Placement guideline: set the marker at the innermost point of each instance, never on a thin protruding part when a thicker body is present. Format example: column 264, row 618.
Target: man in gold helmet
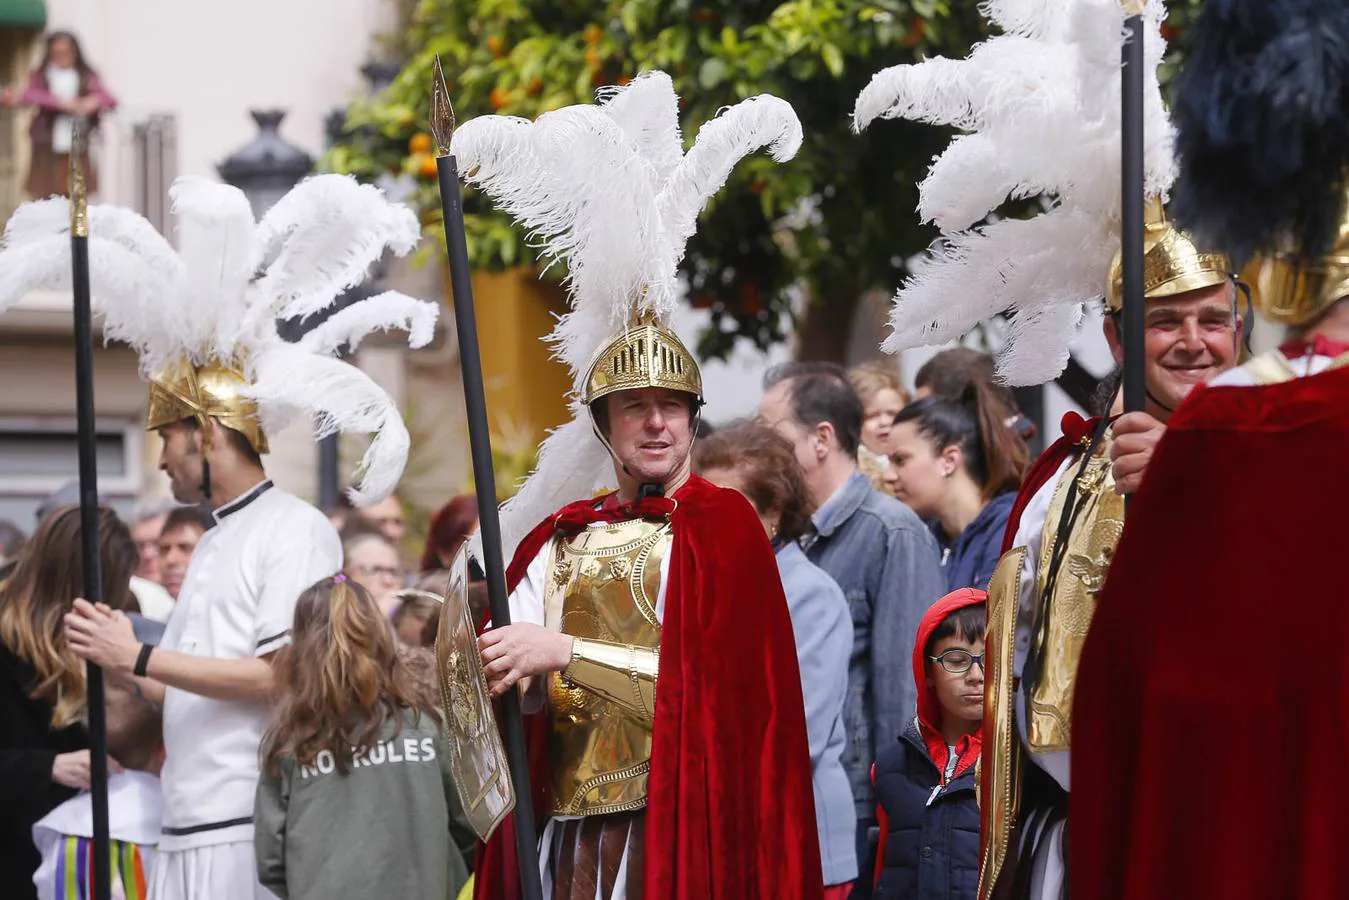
column 220, row 368
column 650, row 629
column 1059, row 542
column 1309, row 296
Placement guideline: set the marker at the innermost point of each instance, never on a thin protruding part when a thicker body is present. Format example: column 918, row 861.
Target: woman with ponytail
column 958, row 466
column 356, row 798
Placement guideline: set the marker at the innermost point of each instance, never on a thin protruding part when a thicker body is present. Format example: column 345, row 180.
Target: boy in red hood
column 925, row 778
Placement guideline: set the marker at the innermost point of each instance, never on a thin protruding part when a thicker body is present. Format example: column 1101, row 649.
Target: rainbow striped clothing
column 74, row 864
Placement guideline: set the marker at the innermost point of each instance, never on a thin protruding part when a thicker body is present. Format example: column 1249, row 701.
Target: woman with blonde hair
column 44, row 755
column 882, row 396
column 356, row 797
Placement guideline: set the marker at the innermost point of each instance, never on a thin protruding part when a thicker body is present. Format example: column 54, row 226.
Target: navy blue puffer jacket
column 931, row 849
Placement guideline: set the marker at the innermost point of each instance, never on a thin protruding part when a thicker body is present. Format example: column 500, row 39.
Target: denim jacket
column 886, row 561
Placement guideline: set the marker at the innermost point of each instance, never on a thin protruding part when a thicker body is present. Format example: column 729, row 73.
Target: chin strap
column 206, row 479
column 1153, row 397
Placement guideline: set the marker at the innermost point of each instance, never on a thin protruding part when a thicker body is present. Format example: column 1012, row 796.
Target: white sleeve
column 527, row 600
column 292, row 561
column 1030, row 534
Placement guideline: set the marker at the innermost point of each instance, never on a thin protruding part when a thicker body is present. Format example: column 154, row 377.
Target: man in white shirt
column 222, row 372
column 211, row 672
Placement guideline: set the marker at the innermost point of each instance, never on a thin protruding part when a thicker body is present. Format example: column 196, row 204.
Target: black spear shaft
column 1131, row 218
column 484, row 479
column 88, row 462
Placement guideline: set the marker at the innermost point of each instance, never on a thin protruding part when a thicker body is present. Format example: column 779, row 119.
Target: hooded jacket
column 926, row 803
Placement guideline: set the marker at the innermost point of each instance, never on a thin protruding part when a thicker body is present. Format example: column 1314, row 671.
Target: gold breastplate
column 1091, row 546
column 604, row 585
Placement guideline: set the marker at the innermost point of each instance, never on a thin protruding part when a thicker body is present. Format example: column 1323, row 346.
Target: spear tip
column 442, row 112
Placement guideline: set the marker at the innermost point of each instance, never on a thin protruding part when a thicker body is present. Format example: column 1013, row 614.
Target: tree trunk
column 824, row 330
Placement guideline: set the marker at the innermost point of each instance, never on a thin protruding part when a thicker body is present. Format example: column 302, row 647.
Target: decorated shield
column 477, row 757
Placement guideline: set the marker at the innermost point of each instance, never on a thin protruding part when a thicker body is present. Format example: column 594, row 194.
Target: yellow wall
column 526, row 388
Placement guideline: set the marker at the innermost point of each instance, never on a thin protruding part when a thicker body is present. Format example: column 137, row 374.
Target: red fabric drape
column 1075, row 430
column 730, row 811
column 1211, row 722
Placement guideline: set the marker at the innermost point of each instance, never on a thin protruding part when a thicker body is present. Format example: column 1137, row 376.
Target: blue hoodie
column 970, row 559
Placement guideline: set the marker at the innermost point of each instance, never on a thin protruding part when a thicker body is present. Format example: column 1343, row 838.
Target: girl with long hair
column 44, row 755
column 958, row 465
column 64, row 88
column 355, row 798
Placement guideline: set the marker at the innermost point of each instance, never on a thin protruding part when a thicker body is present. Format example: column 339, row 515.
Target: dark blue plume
column 1261, row 108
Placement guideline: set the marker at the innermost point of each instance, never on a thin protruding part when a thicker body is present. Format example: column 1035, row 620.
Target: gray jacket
column 387, row 828
column 823, row 629
column 887, row 563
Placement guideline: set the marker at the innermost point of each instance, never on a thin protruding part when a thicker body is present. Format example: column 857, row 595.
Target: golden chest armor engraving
column 604, row 585
column 1091, row 546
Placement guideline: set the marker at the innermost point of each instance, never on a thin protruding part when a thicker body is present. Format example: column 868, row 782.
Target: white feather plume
column 763, row 121
column 1040, row 105
column 290, row 381
column 381, row 312
column 607, row 191
column 648, row 110
column 201, row 302
column 319, row 240
column 215, row 242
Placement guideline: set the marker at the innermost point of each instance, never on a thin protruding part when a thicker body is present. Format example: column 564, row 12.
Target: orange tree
column 834, row 222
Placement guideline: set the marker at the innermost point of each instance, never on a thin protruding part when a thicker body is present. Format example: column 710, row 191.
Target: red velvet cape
column 1075, row 430
column 1211, row 725
column 730, row 809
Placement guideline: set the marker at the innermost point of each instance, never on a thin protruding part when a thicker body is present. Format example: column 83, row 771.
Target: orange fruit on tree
column 420, row 143
column 499, row 97
column 917, row 31
column 496, row 45
column 592, row 34
column 593, row 58
column 426, row 166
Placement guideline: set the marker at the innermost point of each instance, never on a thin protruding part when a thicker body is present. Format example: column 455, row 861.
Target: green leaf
column 833, row 59
column 712, row 72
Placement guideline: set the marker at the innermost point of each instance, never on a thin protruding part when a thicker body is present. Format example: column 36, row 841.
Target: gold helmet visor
column 644, row 356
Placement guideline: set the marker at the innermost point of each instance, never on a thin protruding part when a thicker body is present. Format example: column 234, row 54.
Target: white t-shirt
column 1303, row 367
column 64, row 84
column 238, row 601
column 134, row 810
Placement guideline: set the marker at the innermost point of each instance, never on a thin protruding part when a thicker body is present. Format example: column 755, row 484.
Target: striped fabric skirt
column 595, row 857
column 73, row 878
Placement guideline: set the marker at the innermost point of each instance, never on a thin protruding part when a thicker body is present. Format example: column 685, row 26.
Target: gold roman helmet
column 644, row 356
column 1293, row 290
column 183, row 391
column 1172, row 264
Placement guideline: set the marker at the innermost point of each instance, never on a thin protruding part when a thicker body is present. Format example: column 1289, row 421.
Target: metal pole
column 1131, row 218
column 330, row 488
column 484, row 478
column 101, row 877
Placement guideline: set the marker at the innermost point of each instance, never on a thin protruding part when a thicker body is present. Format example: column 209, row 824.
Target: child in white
column 64, row 836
